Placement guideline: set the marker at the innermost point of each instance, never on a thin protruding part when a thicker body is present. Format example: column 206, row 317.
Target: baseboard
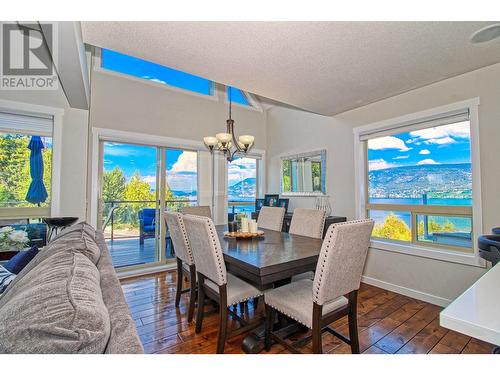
column 417, row 294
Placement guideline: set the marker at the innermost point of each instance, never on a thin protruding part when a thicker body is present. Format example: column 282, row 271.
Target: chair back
column 175, row 225
column 271, row 218
column 341, row 260
column 205, row 245
column 147, row 215
column 197, row 210
column 308, row 222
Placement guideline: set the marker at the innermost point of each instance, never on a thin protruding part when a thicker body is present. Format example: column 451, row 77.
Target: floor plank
column 387, row 323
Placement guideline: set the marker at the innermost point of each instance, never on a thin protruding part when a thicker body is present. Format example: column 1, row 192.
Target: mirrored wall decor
column 304, row 174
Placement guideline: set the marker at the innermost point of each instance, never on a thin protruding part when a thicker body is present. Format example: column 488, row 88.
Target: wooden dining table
column 268, row 262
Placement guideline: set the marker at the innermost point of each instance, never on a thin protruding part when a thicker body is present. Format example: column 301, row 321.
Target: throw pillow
column 5, row 278
column 21, row 260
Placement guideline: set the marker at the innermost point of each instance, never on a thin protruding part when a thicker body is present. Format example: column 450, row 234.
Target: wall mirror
column 304, row 174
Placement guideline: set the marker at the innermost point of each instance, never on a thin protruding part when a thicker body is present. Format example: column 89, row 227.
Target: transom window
column 133, row 66
column 237, row 96
column 419, row 182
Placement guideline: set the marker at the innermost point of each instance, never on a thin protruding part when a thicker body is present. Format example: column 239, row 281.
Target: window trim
column 361, row 191
column 57, row 115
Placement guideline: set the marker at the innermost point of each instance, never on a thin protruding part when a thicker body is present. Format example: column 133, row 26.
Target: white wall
column 74, row 149
column 429, row 279
column 291, row 131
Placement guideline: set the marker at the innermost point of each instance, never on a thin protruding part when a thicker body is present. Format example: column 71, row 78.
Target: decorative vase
column 323, row 204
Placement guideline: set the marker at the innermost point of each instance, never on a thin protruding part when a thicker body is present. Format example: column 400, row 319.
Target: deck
column 128, row 252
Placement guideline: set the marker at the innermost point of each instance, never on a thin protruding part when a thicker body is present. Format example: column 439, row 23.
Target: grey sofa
column 68, row 300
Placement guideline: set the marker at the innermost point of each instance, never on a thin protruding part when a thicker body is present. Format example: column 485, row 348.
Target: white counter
column 476, row 312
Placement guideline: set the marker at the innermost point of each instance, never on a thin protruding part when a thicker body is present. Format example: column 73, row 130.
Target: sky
column 447, row 144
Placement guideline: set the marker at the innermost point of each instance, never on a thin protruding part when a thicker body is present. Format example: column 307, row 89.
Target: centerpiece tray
column 244, row 235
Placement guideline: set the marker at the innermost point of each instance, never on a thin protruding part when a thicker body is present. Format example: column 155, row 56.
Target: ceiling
column 322, row 67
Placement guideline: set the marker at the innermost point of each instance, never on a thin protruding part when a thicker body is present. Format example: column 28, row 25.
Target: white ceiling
column 323, row 67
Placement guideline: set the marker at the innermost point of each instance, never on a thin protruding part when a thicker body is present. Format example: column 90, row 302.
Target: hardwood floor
column 388, row 323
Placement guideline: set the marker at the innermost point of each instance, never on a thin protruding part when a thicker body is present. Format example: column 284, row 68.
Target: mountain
column 243, row 190
column 444, row 180
column 182, row 194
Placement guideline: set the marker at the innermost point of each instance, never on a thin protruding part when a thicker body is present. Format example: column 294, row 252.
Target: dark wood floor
column 388, row 323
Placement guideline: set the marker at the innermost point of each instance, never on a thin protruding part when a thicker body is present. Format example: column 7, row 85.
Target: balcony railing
column 122, row 216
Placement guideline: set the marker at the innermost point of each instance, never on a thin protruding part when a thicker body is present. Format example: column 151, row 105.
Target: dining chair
column 197, row 210
column 308, row 222
column 318, row 303
column 184, row 256
column 213, row 280
column 271, row 218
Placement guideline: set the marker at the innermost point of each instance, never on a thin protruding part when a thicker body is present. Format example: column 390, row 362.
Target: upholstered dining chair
column 213, row 280
column 184, row 257
column 316, row 304
column 271, row 218
column 308, row 222
column 197, row 210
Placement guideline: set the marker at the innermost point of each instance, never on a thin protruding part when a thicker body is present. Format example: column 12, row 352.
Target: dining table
column 266, row 262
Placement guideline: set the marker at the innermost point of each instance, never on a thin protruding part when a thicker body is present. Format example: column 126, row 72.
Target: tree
column 137, row 190
column 113, row 189
column 393, row 228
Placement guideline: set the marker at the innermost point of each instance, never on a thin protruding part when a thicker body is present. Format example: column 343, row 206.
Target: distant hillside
column 182, row 194
column 243, row 190
column 444, row 180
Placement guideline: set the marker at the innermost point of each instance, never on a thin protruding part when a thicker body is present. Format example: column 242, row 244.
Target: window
column 237, row 96
column 25, row 162
column 136, row 67
column 182, row 178
column 419, row 182
column 242, row 185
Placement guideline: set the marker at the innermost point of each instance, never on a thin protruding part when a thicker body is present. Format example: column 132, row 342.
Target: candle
column 244, row 225
column 253, row 226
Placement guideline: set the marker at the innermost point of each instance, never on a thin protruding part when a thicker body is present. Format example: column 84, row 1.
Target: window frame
column 22, row 108
column 416, row 247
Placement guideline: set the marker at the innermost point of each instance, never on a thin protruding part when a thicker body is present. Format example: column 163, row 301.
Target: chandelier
column 226, row 142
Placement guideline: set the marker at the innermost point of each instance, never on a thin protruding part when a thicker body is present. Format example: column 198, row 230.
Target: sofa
column 68, row 299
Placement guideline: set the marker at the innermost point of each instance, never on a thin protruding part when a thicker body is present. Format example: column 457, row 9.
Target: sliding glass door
column 137, row 183
column 129, row 202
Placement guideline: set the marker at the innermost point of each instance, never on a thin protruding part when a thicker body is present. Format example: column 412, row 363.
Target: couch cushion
column 6, row 277
column 56, row 308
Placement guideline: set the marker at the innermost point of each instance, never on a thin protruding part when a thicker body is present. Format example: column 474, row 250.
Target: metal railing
column 114, row 205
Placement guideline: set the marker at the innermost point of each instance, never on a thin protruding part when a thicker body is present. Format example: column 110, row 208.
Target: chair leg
column 270, row 315
column 178, row 292
column 221, row 336
column 201, row 303
column 353, row 322
column 192, row 293
column 316, row 329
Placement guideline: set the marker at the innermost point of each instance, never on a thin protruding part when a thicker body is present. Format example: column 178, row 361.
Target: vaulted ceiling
column 323, row 67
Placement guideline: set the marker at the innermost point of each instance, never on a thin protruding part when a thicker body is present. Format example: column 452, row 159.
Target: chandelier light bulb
column 210, row 141
column 223, row 137
column 246, row 139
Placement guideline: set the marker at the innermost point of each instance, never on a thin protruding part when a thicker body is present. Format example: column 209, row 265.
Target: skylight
column 136, row 67
column 237, row 96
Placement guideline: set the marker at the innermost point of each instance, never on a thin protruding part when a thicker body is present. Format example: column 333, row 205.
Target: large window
column 419, row 183
column 118, row 62
column 242, row 185
column 237, row 96
column 25, row 164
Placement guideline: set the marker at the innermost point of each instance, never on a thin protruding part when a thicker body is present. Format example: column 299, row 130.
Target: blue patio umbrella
column 36, row 193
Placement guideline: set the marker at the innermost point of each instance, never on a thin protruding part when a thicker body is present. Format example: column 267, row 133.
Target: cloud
column 151, row 179
column 187, row 162
column 375, row 165
column 441, row 135
column 440, row 141
column 427, row 162
column 401, row 157
column 387, row 143
column 424, row 152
